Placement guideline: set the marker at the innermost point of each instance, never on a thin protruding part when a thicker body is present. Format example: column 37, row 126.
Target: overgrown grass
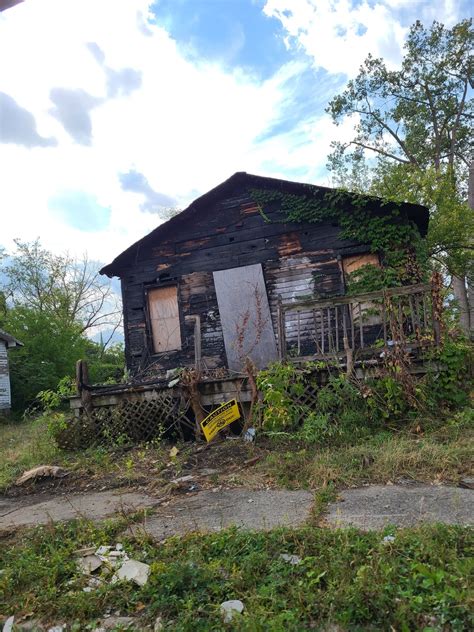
column 24, row 445
column 356, row 580
column 442, row 452
column 427, row 450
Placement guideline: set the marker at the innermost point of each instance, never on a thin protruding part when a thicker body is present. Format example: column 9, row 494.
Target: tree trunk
column 470, row 277
column 460, row 293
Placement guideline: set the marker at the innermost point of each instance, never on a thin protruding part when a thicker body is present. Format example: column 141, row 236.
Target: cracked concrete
column 375, row 506
column 370, row 507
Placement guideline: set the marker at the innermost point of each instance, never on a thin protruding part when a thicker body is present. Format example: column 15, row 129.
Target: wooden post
column 82, row 386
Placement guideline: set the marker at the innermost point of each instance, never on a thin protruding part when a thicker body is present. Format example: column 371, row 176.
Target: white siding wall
column 5, row 400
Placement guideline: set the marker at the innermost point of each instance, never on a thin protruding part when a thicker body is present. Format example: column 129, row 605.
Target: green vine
column 393, row 237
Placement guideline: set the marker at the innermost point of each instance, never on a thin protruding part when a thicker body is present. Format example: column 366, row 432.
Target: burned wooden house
column 231, row 278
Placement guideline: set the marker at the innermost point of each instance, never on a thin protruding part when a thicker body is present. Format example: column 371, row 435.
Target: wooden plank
column 245, row 316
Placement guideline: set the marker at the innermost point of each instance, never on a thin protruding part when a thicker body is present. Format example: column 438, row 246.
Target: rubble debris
column 133, row 570
column 42, row 471
column 98, row 564
column 89, row 563
column 229, row 608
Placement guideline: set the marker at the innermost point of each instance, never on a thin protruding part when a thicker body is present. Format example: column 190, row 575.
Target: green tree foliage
column 413, row 134
column 53, row 304
column 51, row 349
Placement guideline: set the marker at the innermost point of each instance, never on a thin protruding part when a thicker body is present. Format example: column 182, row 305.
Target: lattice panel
column 307, row 399
column 127, row 423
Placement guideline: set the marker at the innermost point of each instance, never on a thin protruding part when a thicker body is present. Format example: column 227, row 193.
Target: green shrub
column 349, row 408
column 449, row 385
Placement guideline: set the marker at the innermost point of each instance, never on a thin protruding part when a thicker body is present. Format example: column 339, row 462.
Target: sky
column 113, row 112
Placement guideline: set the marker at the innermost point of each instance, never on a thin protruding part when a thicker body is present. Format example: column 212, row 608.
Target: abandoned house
column 230, row 277
column 6, row 342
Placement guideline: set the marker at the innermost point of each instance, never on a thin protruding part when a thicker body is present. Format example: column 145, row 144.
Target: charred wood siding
column 297, row 259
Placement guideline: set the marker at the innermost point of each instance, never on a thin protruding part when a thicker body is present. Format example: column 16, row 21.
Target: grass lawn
column 354, row 580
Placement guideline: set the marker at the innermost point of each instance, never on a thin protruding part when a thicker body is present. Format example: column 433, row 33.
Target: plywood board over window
column 164, row 319
column 245, row 316
column 355, row 262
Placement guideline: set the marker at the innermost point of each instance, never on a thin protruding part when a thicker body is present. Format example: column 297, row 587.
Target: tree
column 53, row 304
column 412, row 137
column 61, row 285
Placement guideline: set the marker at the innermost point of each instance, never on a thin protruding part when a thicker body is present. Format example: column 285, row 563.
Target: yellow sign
column 220, row 418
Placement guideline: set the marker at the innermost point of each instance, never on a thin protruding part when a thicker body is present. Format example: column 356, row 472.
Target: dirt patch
column 228, row 463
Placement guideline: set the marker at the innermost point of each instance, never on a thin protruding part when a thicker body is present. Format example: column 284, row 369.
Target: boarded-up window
column 164, row 319
column 355, row 262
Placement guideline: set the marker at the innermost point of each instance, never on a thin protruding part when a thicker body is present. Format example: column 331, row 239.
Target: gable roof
column 417, row 213
column 9, row 339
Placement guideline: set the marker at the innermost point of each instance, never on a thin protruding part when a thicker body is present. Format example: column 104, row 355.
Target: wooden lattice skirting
column 125, row 423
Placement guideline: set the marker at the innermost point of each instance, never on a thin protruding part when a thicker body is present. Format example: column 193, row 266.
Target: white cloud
column 187, row 127
column 338, row 34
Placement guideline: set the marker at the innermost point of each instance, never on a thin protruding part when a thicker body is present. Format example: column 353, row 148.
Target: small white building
column 6, row 342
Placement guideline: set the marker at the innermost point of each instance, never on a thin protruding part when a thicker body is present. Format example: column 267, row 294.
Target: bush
column 450, row 384
column 339, row 407
column 350, row 408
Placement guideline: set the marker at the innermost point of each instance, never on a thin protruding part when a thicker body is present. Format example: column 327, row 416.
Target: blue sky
column 120, row 110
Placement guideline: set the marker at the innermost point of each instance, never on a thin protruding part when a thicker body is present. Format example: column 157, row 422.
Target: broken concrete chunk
column 291, row 559
column 135, row 571
column 89, row 563
column 229, row 608
column 42, row 471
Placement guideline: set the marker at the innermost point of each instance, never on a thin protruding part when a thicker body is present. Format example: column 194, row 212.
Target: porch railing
column 364, row 323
